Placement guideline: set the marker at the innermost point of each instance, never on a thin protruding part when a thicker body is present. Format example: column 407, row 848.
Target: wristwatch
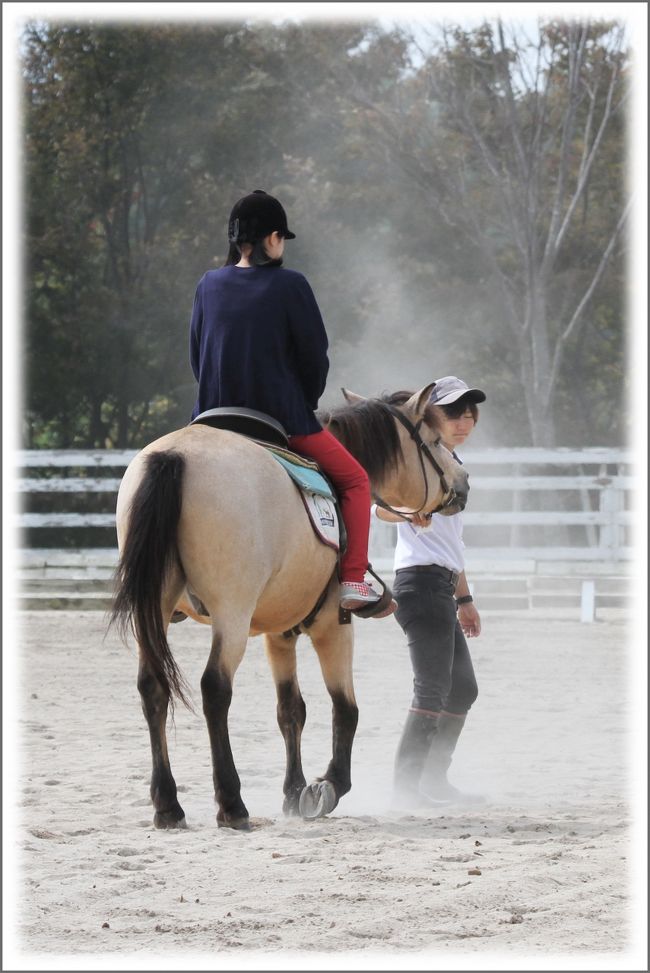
column 464, row 600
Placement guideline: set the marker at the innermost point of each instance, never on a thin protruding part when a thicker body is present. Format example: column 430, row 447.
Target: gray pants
column 443, row 675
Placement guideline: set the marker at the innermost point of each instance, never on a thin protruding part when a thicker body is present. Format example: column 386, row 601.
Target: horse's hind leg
column 155, row 702
column 216, row 688
column 334, row 644
column 291, row 712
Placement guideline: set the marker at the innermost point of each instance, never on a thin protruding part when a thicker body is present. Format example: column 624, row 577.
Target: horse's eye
column 436, row 442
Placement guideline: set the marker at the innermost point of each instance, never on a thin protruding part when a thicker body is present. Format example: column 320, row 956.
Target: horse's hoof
column 317, row 800
column 166, row 820
column 236, row 824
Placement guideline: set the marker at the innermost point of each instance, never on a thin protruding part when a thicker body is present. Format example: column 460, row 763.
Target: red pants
column 353, row 489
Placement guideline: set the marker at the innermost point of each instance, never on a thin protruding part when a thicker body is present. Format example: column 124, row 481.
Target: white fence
column 563, row 513
column 580, row 502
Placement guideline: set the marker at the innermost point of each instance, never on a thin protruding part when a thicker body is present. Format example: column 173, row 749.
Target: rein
column 449, row 495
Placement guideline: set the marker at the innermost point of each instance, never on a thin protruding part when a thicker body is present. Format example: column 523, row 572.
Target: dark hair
column 456, row 409
column 258, row 256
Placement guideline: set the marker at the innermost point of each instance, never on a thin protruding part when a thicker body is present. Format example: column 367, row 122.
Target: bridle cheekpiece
column 449, row 494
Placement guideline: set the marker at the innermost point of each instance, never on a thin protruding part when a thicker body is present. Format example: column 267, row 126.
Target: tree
column 116, row 125
column 511, row 141
column 139, row 138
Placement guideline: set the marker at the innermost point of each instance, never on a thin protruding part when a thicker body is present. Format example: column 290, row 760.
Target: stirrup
column 381, row 608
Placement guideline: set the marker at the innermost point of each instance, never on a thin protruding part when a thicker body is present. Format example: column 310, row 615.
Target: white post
column 611, row 532
column 588, row 602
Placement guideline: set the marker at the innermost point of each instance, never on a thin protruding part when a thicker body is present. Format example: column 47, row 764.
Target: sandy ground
column 550, row 741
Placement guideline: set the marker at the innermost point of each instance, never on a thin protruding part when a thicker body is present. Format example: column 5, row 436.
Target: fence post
column 516, row 531
column 590, row 529
column 588, row 601
column 611, row 503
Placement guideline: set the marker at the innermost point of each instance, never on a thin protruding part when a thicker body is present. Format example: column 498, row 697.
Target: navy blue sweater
column 257, row 341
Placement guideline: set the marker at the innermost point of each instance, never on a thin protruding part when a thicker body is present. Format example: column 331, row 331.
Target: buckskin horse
column 211, row 513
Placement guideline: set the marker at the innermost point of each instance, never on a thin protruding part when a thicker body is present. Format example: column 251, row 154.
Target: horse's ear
column 418, row 401
column 351, row 397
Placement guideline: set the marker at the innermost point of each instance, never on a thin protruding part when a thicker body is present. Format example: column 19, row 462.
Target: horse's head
column 397, row 441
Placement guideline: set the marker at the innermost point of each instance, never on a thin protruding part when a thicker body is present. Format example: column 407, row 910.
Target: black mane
column 368, row 430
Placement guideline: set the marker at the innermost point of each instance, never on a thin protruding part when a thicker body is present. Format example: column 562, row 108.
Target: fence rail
column 572, row 505
column 532, row 512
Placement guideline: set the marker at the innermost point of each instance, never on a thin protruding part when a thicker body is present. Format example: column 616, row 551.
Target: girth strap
column 311, row 617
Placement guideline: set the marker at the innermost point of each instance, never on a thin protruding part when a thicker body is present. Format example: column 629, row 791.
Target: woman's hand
column 470, row 620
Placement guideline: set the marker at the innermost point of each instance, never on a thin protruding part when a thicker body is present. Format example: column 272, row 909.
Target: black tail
column 150, row 552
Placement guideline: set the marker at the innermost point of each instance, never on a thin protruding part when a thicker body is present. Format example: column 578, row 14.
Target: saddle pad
column 306, row 477
column 324, row 517
column 316, row 494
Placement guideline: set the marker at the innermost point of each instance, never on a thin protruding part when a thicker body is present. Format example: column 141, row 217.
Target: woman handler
column 436, row 612
column 257, row 341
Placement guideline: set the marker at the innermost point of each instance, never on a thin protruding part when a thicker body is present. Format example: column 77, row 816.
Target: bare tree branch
column 585, row 170
column 586, row 297
column 576, row 51
column 512, row 107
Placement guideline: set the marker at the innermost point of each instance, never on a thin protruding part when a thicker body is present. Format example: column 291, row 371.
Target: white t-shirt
column 441, row 544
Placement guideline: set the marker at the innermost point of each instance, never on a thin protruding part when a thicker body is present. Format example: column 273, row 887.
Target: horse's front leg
column 216, row 689
column 291, row 712
column 334, row 644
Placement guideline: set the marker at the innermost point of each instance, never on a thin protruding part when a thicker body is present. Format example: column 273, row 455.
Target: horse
column 209, row 514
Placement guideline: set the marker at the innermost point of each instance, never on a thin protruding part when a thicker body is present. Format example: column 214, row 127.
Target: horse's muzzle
column 457, row 500
column 458, row 503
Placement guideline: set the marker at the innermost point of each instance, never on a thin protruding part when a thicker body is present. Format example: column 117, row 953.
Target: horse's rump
column 244, row 541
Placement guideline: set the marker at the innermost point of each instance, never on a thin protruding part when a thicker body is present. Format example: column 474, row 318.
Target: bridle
column 449, row 494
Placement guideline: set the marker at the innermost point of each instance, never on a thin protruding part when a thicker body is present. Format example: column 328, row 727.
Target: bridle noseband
column 449, row 494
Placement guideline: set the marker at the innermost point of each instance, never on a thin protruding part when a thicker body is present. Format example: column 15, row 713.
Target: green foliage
column 138, row 139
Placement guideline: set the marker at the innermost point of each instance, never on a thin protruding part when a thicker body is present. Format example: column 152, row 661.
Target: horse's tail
column 149, row 554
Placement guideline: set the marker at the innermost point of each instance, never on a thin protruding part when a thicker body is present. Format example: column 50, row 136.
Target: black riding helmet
column 254, row 216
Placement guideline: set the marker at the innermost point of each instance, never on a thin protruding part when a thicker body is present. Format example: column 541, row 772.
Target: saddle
column 316, row 492
column 249, row 422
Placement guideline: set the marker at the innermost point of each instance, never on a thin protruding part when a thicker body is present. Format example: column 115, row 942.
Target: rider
column 257, row 341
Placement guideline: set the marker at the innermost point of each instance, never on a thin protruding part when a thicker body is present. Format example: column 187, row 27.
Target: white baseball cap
column 450, row 388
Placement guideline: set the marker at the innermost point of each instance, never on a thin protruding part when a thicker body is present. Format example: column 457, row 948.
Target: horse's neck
column 403, row 486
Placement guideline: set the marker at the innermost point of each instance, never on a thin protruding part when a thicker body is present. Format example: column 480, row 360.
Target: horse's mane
column 368, row 430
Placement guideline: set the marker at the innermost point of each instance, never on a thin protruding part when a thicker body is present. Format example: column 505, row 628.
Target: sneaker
column 355, row 594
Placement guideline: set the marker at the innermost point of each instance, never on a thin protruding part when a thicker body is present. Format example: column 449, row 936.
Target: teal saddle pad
column 307, row 479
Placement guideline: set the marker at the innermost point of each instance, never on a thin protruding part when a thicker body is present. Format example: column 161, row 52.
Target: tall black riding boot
column 434, row 775
column 419, row 732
